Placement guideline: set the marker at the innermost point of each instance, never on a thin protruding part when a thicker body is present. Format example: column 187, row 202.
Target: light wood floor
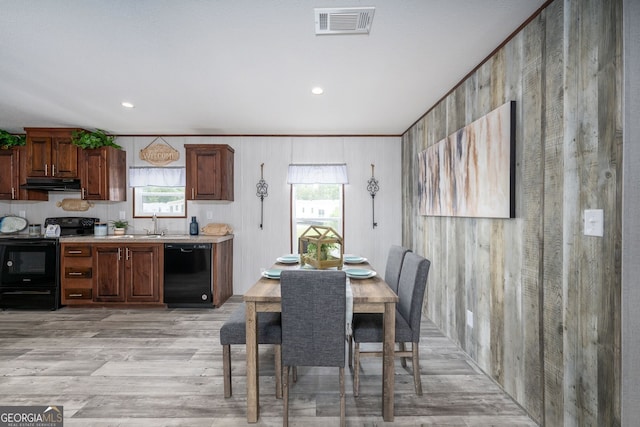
column 163, row 367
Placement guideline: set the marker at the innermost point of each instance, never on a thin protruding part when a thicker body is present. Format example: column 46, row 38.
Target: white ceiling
column 238, row 66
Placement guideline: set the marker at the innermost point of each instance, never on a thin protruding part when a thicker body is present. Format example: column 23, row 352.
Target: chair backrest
column 394, row 265
column 411, row 289
column 313, row 317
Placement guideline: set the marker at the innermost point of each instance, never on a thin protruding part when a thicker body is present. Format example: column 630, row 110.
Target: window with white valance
column 157, row 177
column 159, row 191
column 326, row 173
column 317, row 197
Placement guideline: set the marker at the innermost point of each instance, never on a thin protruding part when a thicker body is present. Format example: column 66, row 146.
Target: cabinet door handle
column 46, row 170
column 13, row 193
column 74, row 295
column 193, row 193
column 74, row 251
column 75, row 273
column 53, row 170
column 83, row 194
column 119, row 254
column 128, row 254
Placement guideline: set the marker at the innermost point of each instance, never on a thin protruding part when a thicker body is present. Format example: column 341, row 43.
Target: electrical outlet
column 123, row 215
column 23, row 214
column 470, row 318
column 209, row 215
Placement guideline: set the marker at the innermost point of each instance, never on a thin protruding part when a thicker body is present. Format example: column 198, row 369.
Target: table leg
column 388, row 378
column 253, row 395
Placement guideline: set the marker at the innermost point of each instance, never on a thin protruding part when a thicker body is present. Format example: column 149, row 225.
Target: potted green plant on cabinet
column 8, row 140
column 86, row 139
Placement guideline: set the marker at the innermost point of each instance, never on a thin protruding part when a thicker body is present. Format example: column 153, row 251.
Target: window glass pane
column 163, row 201
column 316, row 204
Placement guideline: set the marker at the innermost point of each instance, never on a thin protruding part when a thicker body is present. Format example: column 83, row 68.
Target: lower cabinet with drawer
column 76, row 273
column 105, row 274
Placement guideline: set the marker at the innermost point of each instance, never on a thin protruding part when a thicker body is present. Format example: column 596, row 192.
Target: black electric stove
column 30, row 265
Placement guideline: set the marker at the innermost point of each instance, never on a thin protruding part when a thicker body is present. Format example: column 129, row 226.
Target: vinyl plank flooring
column 163, row 367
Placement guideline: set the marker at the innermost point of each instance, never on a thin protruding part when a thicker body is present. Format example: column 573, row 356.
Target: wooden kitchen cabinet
column 50, row 153
column 127, row 273
column 76, row 273
column 209, row 170
column 103, row 174
column 12, row 161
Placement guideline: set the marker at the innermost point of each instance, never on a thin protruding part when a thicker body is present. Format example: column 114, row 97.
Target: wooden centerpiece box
column 321, row 247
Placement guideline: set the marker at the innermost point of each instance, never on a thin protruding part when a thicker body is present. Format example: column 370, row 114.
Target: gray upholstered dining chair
column 368, row 327
column 395, row 258
column 234, row 331
column 394, row 266
column 313, row 324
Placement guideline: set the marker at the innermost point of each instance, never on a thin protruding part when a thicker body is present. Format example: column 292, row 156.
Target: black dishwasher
column 187, row 275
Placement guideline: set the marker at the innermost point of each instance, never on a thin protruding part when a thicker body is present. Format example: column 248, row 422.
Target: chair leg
column 356, row 370
column 350, row 343
column 343, row 405
column 278, row 363
column 403, row 360
column 285, row 396
column 416, row 368
column 226, row 369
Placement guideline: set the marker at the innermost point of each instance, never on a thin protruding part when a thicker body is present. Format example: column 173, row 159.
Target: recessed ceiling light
column 317, row 90
column 126, row 104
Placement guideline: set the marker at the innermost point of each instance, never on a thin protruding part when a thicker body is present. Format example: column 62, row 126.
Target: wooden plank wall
column 544, row 299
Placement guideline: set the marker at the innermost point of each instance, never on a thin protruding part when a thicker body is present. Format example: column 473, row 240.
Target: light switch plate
column 122, row 215
column 594, row 222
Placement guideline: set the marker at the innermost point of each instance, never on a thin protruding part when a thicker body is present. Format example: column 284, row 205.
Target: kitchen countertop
column 143, row 238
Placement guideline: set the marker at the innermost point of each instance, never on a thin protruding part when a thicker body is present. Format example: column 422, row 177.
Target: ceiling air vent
column 351, row 20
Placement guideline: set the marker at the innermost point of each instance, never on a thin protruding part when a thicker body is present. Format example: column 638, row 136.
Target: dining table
column 370, row 295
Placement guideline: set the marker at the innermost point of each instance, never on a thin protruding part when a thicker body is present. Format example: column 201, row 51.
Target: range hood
column 52, row 184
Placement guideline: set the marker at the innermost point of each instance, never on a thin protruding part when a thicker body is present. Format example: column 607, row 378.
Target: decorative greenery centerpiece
column 321, row 247
column 8, row 140
column 119, row 226
column 86, row 139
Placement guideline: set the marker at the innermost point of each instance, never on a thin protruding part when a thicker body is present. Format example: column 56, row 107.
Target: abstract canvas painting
column 471, row 172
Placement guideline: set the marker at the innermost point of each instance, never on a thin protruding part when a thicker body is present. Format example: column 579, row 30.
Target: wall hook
column 372, row 188
column 262, row 192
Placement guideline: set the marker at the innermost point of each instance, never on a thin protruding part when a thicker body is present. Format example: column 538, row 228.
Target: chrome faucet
column 155, row 231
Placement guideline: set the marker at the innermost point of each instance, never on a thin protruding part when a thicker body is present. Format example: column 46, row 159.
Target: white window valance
column 331, row 173
column 157, row 177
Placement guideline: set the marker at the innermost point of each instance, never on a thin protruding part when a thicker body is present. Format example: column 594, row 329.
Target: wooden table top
column 373, row 290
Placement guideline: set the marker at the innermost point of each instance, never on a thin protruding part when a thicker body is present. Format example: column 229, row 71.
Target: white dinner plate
column 359, row 273
column 273, row 273
column 352, row 259
column 288, row 259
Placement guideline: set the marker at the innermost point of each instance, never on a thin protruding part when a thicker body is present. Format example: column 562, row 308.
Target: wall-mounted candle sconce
column 372, row 188
column 262, row 192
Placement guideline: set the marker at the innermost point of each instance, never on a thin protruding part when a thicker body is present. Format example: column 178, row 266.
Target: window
column 159, row 191
column 316, row 204
column 163, row 201
column 317, row 194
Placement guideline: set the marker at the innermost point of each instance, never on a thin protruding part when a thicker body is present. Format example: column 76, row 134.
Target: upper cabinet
column 12, row 165
column 50, row 153
column 209, row 171
column 103, row 174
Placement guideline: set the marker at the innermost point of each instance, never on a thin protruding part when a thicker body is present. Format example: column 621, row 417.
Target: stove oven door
column 29, row 274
